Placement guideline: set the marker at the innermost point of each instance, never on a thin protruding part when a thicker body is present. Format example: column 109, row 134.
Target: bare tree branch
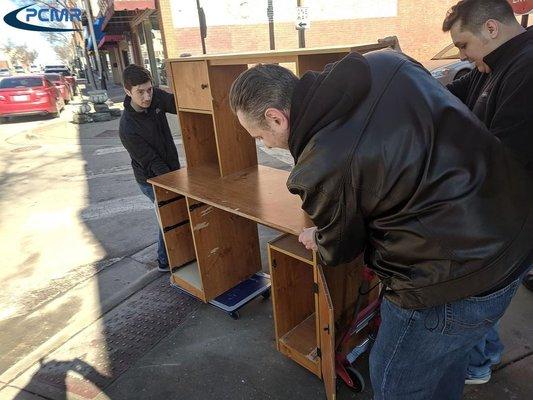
column 19, row 54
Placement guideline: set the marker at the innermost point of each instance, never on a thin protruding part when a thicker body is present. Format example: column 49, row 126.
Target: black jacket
column 502, row 98
column 147, row 137
column 387, row 161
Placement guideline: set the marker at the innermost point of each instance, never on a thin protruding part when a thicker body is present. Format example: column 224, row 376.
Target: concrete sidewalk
column 162, row 344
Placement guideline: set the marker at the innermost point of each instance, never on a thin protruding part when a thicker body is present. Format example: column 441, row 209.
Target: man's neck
column 137, row 107
column 510, row 33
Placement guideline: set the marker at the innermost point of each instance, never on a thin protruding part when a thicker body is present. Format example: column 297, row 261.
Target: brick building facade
column 417, row 23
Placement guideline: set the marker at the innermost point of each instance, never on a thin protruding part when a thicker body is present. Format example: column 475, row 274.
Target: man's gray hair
column 260, row 87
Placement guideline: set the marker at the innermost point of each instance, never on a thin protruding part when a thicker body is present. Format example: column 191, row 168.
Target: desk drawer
column 192, row 85
column 173, row 211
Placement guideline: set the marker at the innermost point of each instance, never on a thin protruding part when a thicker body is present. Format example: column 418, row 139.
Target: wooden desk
column 257, row 193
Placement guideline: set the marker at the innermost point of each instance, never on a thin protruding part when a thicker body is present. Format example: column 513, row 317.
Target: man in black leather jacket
column 389, row 163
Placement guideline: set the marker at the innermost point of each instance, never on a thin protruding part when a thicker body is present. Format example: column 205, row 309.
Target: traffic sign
column 302, row 18
column 521, row 7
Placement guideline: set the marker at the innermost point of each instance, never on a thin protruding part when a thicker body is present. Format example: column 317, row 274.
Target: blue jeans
column 148, row 191
column 424, row 354
column 485, row 354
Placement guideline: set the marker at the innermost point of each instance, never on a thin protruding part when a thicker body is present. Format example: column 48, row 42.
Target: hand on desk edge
column 307, row 238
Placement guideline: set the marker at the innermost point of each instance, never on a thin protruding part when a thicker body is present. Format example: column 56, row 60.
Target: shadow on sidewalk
column 77, row 377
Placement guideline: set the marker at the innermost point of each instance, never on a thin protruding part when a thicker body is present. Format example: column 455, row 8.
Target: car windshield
column 8, row 83
column 450, row 52
column 18, row 68
column 4, row 70
column 53, row 77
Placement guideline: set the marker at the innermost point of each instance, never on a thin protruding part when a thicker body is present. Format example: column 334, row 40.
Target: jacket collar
column 321, row 98
column 508, row 49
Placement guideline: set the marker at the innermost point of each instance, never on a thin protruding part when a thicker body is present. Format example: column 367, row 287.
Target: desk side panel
column 227, row 247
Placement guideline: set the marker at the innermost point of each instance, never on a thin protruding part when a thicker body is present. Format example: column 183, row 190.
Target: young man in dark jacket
column 389, row 163
column 145, row 133
column 498, row 91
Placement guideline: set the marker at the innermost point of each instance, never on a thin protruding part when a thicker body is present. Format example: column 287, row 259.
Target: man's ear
column 128, row 92
column 493, row 28
column 275, row 116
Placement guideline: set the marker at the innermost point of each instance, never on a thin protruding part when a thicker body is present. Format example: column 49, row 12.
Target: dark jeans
column 424, row 354
column 148, row 191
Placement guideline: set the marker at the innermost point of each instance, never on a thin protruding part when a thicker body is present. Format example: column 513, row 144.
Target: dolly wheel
column 234, row 314
column 266, row 294
column 357, row 379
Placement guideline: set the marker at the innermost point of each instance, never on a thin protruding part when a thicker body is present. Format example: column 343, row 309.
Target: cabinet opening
column 293, row 294
column 198, row 133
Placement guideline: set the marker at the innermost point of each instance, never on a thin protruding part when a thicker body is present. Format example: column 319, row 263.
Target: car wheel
column 461, row 73
column 57, row 114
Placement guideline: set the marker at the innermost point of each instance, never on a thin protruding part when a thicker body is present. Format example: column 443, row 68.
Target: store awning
column 110, row 39
column 131, row 5
column 119, row 13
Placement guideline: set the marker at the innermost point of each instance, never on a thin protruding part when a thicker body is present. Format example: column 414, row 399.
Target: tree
column 64, row 52
column 61, row 42
column 19, row 54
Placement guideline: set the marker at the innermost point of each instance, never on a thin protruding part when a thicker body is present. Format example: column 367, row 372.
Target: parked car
column 29, row 95
column 34, row 69
column 62, row 84
column 5, row 72
column 71, row 79
column 55, row 66
column 19, row 69
column 446, row 65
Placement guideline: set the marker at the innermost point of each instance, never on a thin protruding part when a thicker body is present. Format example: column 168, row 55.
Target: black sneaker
column 162, row 267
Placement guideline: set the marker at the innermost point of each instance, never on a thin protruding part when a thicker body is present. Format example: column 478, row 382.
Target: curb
column 70, row 331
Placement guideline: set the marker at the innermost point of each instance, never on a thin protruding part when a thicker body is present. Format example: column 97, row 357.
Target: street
column 70, row 210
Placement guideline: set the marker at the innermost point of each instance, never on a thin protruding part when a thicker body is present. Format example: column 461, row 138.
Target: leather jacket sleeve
column 341, row 232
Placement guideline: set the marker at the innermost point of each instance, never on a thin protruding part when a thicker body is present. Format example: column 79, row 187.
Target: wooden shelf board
column 300, row 344
column 188, row 278
column 276, row 55
column 288, row 244
column 258, row 193
column 194, row 110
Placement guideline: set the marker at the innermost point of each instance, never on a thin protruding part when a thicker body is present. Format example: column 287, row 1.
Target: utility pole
column 203, row 25
column 270, row 15
column 89, row 13
column 301, row 32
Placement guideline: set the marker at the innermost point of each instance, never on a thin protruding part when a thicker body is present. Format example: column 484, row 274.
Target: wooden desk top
column 278, row 55
column 257, row 193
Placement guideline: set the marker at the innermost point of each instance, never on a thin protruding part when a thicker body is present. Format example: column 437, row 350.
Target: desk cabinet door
column 191, row 81
column 327, row 335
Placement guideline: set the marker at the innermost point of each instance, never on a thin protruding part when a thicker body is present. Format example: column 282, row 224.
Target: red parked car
column 71, row 79
column 29, row 95
column 62, row 85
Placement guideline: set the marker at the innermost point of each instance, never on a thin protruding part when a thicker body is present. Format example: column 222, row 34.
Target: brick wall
column 417, row 25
